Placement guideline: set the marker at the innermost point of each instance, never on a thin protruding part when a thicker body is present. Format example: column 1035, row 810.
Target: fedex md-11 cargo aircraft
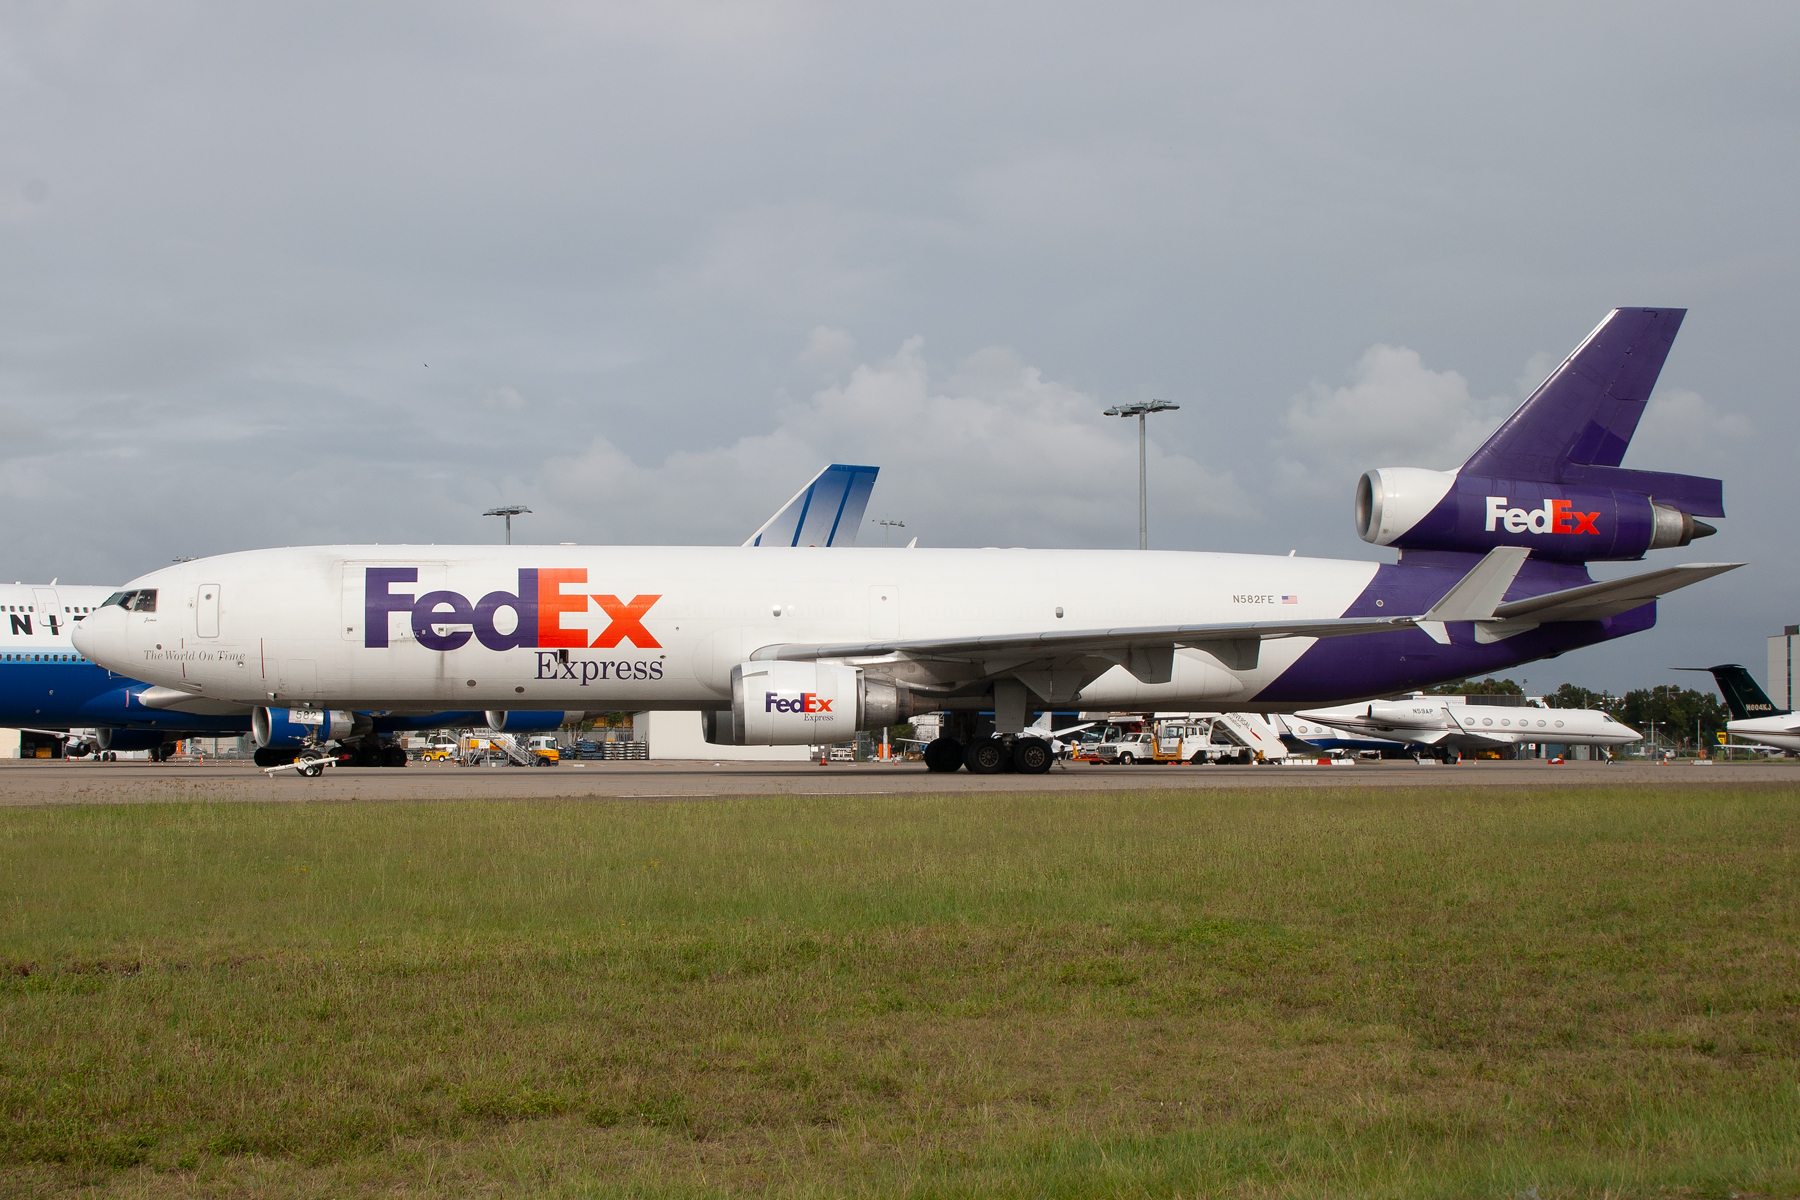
column 792, row 646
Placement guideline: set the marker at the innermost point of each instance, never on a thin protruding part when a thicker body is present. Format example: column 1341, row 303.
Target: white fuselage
column 1781, row 732
column 662, row 627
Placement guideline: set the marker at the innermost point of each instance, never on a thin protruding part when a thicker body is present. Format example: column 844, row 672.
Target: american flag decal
column 1290, row 599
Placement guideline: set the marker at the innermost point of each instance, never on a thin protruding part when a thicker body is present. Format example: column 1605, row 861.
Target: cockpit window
column 145, row 601
column 122, row 599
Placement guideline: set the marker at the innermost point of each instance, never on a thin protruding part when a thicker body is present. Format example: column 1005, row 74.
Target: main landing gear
column 359, row 754
column 991, row 755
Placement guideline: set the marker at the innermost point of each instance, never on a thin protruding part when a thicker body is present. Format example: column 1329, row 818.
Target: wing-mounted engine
column 290, row 727
column 803, row 704
column 531, row 722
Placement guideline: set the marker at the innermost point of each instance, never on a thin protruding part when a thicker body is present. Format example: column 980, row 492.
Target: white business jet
column 1450, row 726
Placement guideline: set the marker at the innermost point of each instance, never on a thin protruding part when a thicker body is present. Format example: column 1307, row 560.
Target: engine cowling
column 130, row 739
column 1414, row 509
column 531, row 722
column 803, row 704
column 277, row 727
column 1407, row 714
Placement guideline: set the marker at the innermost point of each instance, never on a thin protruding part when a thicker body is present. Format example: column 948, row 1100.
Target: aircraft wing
column 1235, row 643
column 1148, row 651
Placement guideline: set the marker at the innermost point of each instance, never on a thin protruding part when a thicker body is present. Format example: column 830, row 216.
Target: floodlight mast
column 1140, row 411
column 509, row 511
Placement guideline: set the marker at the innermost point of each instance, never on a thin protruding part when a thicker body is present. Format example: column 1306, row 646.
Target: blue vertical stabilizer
column 826, row 512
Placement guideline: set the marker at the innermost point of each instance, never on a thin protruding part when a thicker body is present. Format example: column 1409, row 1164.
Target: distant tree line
column 1670, row 711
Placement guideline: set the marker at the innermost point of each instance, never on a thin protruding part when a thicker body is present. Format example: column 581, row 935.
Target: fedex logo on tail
column 1557, row 516
column 806, row 702
column 446, row 620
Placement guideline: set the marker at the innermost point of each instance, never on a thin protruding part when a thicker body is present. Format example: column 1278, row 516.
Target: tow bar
column 309, row 765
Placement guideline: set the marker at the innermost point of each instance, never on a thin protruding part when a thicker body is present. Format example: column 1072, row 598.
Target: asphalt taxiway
column 38, row 782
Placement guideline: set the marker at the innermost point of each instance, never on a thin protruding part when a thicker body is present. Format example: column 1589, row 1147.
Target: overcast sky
column 276, row 274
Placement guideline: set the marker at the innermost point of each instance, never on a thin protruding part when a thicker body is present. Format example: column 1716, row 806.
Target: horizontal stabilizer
column 1597, row 601
column 826, row 512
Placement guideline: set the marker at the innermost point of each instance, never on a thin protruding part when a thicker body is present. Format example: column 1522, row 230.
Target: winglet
column 826, row 512
column 1476, row 594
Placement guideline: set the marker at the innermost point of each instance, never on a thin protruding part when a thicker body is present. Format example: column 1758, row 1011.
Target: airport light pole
column 886, row 526
column 1140, row 411
column 509, row 511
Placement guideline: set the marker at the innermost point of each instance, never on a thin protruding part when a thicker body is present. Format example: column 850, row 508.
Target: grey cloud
column 949, row 491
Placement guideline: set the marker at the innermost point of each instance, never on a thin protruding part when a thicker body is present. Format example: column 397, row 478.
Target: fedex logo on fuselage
column 805, row 702
column 1557, row 516
column 538, row 608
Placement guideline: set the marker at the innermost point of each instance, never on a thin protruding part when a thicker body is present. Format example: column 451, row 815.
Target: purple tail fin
column 1588, row 409
column 1574, row 429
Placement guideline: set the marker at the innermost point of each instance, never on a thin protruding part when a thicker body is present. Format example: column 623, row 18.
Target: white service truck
column 1192, row 739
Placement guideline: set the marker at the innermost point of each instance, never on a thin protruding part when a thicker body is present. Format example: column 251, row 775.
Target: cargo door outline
column 206, row 610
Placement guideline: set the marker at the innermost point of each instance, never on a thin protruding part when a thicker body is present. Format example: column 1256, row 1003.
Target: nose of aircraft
column 101, row 637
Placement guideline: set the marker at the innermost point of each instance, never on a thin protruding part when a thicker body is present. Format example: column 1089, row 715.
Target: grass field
column 1268, row 993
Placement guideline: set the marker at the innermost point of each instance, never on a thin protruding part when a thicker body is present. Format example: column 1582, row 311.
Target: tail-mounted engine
column 803, row 704
column 1415, row 509
column 1407, row 714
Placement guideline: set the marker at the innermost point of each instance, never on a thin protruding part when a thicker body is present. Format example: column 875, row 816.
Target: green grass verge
column 1257, row 993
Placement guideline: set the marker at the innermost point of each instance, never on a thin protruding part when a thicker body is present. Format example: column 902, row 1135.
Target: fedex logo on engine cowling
column 805, row 702
column 1557, row 516
column 537, row 607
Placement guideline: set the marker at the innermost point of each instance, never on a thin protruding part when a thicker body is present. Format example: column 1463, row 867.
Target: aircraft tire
column 393, row 756
column 985, row 756
column 1032, row 756
column 944, row 755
